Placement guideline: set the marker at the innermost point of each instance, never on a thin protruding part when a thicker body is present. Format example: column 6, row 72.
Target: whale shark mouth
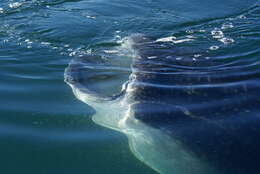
column 175, row 111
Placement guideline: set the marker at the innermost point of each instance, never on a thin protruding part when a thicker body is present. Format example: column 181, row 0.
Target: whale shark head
column 181, row 115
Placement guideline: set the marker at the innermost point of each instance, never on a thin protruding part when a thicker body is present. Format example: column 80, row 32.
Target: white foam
column 126, row 46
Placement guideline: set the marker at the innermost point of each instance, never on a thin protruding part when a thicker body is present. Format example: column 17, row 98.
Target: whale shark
column 181, row 115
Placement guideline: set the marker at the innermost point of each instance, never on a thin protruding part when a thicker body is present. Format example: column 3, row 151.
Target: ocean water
column 44, row 128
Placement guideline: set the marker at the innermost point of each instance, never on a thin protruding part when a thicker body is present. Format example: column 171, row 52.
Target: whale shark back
column 213, row 111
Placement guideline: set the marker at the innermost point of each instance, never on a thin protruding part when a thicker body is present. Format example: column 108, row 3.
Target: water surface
column 43, row 127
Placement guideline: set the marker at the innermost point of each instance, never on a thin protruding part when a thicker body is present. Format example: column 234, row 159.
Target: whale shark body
column 181, row 116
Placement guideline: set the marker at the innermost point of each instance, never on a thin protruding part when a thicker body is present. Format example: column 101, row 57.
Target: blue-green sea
column 44, row 128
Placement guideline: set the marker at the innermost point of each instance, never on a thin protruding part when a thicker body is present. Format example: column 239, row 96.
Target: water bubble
column 189, row 31
column 242, row 17
column 15, row 5
column 226, row 40
column 67, row 45
column 214, row 47
column 227, row 26
column 1, row 10
column 217, row 34
column 118, row 37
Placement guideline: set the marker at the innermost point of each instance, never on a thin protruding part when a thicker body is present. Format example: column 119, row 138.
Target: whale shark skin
column 180, row 116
